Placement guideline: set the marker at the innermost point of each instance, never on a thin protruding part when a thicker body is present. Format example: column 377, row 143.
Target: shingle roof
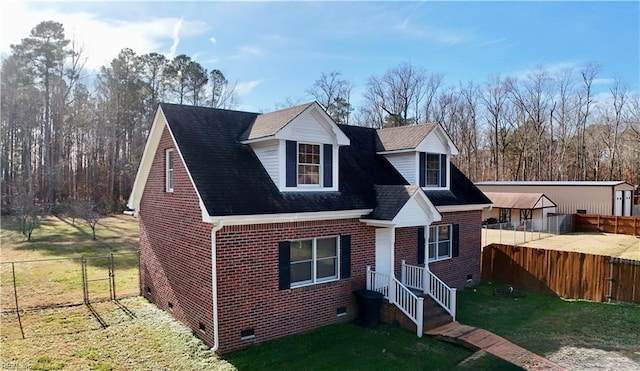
column 268, row 124
column 390, row 199
column 403, row 137
column 231, row 180
column 515, row 200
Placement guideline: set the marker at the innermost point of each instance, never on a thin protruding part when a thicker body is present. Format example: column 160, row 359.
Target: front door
column 384, row 246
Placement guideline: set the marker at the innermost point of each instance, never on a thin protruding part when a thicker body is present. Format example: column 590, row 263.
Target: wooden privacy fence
column 629, row 225
column 567, row 274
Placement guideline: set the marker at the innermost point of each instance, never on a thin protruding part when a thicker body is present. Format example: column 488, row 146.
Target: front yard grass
column 564, row 331
column 71, row 339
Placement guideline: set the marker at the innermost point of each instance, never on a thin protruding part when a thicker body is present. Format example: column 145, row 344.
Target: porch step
column 434, row 315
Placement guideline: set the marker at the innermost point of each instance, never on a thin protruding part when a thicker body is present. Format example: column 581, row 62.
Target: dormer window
column 308, row 163
column 433, row 170
column 309, row 166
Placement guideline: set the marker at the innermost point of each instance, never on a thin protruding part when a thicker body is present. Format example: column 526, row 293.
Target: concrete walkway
column 478, row 339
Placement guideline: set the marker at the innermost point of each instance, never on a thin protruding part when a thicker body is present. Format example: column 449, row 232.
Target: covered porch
column 406, row 207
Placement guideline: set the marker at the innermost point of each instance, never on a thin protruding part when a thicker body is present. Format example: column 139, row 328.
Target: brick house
column 257, row 226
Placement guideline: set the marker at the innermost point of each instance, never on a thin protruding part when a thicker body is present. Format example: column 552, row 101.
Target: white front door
column 384, row 250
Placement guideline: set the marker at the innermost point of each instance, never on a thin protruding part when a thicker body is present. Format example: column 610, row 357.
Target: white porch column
column 425, row 275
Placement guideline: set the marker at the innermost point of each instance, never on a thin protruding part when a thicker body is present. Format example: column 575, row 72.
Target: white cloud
column 603, row 81
column 100, row 38
column 253, row 50
column 244, row 88
column 213, row 40
column 176, row 38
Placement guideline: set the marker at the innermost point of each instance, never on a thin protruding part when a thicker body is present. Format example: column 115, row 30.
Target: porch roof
column 403, row 205
column 514, row 200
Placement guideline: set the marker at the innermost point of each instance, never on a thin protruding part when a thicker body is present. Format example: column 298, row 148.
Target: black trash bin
column 369, row 303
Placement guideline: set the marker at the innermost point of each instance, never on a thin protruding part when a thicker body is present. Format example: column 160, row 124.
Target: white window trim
column 437, row 242
column 314, row 280
column 320, row 166
column 426, row 168
column 169, row 179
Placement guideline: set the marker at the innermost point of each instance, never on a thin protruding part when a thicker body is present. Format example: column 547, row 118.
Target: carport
column 521, row 210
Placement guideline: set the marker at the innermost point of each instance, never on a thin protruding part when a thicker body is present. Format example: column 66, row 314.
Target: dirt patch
column 575, row 358
column 617, row 245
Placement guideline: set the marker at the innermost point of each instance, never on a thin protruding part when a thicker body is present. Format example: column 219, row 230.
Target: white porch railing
column 421, row 278
column 399, row 295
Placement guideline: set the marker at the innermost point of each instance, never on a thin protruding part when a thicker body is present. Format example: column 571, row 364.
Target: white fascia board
column 256, row 140
column 454, row 208
column 150, row 148
column 285, row 218
column 378, row 223
column 396, row 151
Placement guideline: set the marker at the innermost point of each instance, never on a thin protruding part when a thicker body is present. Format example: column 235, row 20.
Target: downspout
column 214, row 284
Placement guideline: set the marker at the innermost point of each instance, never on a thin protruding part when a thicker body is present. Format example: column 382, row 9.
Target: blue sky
column 274, row 51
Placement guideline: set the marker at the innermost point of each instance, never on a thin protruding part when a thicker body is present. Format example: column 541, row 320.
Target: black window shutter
column 455, row 240
column 292, row 163
column 327, row 163
column 422, row 167
column 284, row 265
column 420, row 245
column 443, row 170
column 345, row 256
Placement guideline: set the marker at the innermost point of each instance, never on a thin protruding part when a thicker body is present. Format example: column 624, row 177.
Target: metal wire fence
column 526, row 231
column 48, row 283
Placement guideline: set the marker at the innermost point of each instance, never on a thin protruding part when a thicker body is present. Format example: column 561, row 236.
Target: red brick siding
column 175, row 246
column 176, row 266
column 406, row 248
column 452, row 271
column 248, row 293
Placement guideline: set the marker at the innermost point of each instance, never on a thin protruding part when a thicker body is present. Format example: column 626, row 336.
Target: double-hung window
column 313, row 261
column 433, row 170
column 440, row 242
column 308, row 163
column 168, row 170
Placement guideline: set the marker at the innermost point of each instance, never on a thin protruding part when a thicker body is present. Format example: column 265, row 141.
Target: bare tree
column 588, row 73
column 334, row 94
column 494, row 97
column 398, row 94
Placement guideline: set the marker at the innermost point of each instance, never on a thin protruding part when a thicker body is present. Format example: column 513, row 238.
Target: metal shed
column 590, row 197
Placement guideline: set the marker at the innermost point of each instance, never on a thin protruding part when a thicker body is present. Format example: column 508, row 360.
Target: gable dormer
column 421, row 153
column 298, row 147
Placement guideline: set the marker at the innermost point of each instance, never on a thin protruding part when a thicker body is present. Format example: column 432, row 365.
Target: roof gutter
column 214, row 284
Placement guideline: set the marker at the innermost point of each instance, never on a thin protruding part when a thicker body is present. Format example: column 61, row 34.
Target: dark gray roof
column 268, row 124
column 403, row 137
column 390, row 199
column 232, row 181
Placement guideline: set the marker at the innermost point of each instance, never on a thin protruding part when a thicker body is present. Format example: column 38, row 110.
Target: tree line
column 67, row 137
column 541, row 126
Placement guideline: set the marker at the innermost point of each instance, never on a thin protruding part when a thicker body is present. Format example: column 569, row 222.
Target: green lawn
column 350, row 347
column 537, row 322
column 544, row 324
